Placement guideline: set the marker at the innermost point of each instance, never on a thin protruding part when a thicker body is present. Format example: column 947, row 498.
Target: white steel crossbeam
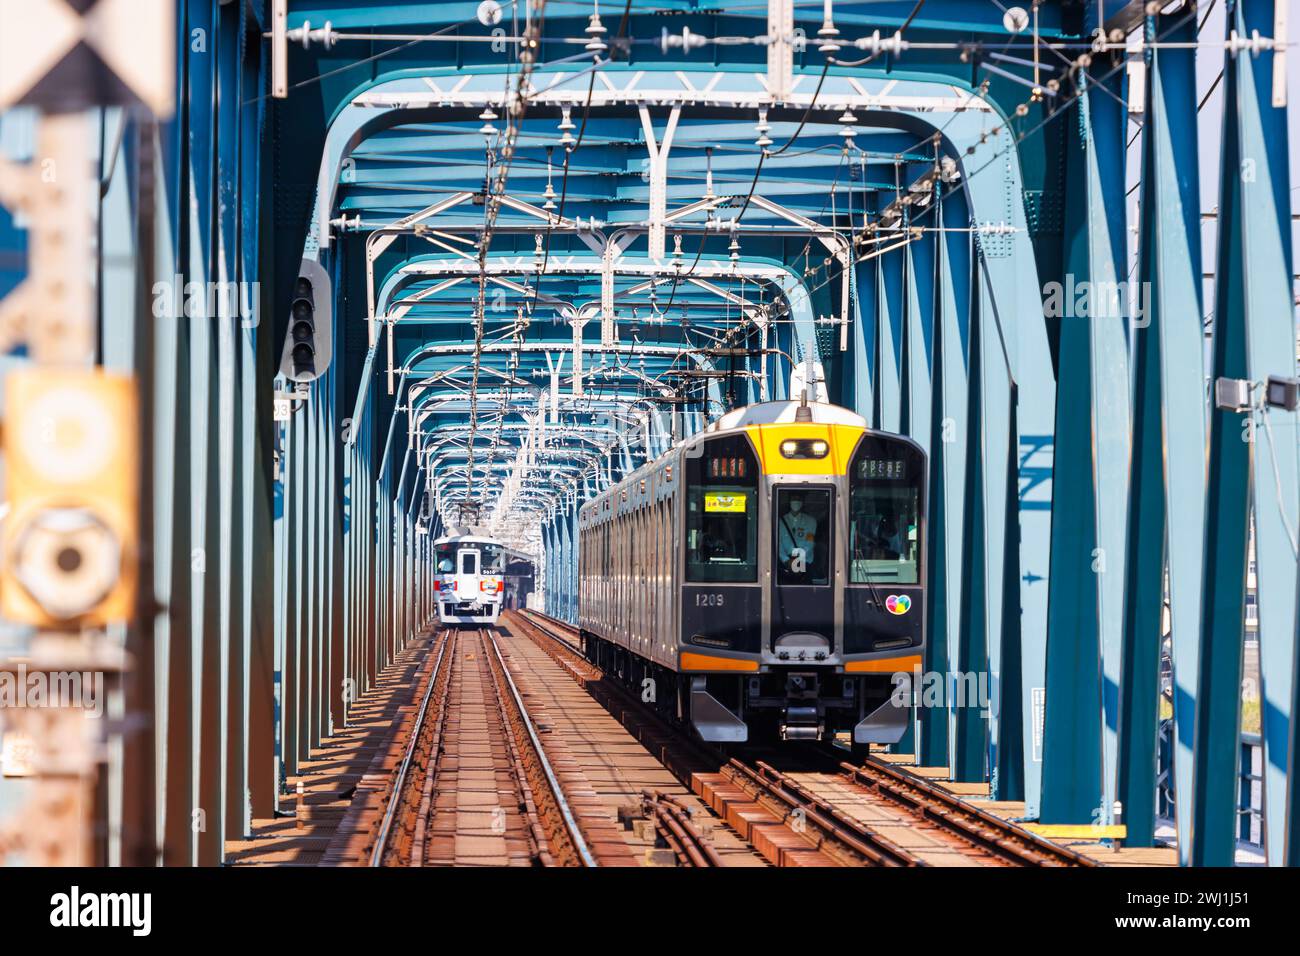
column 658, row 151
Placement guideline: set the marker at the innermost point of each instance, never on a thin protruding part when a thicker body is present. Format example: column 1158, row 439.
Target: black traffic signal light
column 302, row 328
column 307, row 345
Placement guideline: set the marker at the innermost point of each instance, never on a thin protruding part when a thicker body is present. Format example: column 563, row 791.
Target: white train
column 471, row 579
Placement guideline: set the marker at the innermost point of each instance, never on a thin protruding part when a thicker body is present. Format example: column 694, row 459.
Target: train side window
column 722, row 512
column 885, row 480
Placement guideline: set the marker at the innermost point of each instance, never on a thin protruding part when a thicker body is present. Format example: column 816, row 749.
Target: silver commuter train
column 767, row 575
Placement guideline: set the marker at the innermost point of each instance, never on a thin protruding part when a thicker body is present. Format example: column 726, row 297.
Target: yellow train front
column 766, row 578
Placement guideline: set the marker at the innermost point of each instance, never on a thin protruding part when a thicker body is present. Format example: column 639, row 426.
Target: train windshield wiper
column 875, row 594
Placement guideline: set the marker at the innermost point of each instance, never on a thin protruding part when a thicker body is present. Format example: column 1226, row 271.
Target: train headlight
column 805, row 448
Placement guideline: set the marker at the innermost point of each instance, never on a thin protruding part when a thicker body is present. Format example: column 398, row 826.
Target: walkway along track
column 475, row 786
column 875, row 814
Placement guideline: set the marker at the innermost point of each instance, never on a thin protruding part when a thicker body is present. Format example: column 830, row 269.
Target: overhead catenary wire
column 515, row 108
column 568, row 153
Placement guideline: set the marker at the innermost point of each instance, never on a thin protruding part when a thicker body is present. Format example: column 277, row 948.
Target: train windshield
column 445, row 559
column 493, row 559
column 722, row 513
column 884, row 513
column 803, row 535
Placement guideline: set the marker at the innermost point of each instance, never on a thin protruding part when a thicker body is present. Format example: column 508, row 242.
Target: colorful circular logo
column 898, row 604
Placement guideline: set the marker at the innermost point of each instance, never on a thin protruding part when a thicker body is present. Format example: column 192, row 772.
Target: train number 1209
column 709, row 600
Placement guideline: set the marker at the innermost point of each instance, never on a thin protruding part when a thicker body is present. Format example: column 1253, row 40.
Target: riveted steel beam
column 1166, row 517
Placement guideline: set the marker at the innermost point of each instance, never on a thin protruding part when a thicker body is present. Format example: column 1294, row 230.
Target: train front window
column 803, row 535
column 469, row 562
column 884, row 513
column 722, row 513
column 493, row 559
column 445, row 559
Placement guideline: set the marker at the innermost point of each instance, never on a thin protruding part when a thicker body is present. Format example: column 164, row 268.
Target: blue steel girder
column 790, row 303
column 950, row 404
column 367, row 109
column 1167, row 494
column 432, row 290
column 585, row 447
column 1092, row 461
column 1253, row 460
column 703, row 18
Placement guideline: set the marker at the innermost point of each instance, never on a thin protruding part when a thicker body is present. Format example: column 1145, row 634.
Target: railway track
column 765, row 807
column 998, row 837
column 873, row 815
column 664, row 825
column 675, row 824
column 680, row 753
column 475, row 786
column 397, row 826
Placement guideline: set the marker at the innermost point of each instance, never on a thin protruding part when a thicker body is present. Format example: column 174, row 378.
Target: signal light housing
column 308, row 347
column 1281, row 392
column 71, row 467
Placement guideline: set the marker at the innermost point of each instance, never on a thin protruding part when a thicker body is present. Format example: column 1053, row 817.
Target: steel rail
column 836, row 832
column 399, row 784
column 542, row 848
column 973, row 824
column 550, row 626
column 561, row 802
column 674, row 823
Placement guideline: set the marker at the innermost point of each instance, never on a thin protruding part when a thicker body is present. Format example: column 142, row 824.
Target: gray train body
column 766, row 578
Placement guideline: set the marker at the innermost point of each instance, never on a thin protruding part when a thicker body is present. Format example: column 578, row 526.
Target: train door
column 467, row 575
column 803, row 605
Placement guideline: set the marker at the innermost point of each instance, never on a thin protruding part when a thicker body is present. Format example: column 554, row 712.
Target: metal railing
column 1250, row 789
column 1249, row 783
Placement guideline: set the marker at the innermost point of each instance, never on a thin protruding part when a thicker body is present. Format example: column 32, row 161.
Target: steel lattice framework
column 559, row 243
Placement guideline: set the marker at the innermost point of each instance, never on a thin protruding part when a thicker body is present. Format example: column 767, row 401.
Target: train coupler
column 801, row 722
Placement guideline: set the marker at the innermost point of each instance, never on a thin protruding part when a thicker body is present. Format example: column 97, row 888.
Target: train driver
column 889, row 536
column 797, row 535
